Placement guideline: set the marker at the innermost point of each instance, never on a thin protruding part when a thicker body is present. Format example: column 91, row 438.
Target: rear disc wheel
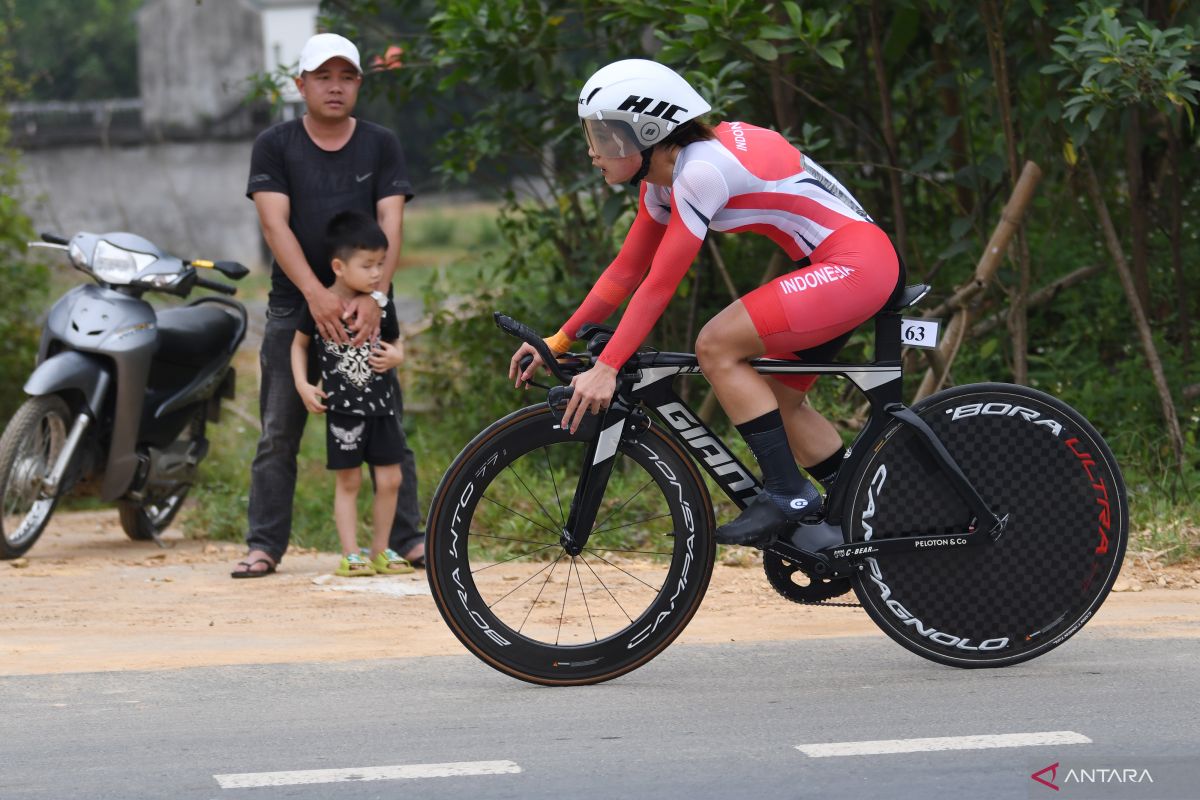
column 1033, row 459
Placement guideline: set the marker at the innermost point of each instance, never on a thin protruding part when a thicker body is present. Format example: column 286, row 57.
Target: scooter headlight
column 116, row 265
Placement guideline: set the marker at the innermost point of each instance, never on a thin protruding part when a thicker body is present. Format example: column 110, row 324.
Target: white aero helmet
column 629, row 106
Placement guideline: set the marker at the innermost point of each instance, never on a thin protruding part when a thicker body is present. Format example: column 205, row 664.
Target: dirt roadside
column 87, row 599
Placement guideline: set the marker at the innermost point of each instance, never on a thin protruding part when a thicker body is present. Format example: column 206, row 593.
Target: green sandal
column 354, row 566
column 389, row 562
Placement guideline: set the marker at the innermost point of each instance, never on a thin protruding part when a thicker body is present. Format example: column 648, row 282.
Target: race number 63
column 919, row 332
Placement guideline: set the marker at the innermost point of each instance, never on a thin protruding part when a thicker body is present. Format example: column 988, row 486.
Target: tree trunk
column 952, row 108
column 1174, row 433
column 1183, row 296
column 958, row 303
column 889, row 130
column 1038, row 298
column 1018, row 323
column 1138, row 227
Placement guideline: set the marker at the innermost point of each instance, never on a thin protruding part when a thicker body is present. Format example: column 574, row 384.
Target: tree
column 1113, row 69
column 906, row 102
column 20, row 281
column 76, row 49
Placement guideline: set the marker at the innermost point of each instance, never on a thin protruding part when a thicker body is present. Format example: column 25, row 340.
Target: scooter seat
column 194, row 335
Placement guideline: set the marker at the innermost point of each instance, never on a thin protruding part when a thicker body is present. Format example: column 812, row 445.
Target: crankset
column 791, row 581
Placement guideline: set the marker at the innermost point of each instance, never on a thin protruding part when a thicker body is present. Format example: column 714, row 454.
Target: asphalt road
column 701, row 721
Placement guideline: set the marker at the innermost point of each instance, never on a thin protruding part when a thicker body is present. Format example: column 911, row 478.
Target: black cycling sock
column 792, row 492
column 827, row 470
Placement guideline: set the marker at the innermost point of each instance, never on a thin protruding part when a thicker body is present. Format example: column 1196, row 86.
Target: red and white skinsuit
column 747, row 179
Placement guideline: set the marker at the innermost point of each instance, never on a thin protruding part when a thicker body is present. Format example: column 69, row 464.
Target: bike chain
column 780, row 571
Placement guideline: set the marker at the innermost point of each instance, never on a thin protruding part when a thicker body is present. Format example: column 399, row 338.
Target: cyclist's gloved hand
column 594, row 390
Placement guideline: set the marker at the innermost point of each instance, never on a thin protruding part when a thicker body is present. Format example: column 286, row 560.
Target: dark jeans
column 273, row 473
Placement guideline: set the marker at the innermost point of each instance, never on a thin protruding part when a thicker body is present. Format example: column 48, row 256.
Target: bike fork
column 593, row 478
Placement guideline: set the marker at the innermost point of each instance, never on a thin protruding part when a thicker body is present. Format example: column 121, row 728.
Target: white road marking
column 983, row 742
column 248, row 780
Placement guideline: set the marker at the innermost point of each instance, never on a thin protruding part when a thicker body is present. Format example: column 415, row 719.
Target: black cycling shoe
column 814, row 535
column 760, row 523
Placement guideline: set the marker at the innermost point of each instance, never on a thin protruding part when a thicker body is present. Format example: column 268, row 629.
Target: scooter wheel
column 29, row 448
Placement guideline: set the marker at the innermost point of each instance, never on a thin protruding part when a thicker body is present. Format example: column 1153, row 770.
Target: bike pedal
column 813, row 537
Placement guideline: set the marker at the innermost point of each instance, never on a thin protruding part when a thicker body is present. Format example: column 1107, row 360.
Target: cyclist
column 642, row 124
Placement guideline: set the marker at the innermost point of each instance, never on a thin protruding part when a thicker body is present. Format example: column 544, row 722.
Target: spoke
column 522, row 583
column 627, row 501
column 587, row 609
column 627, row 572
column 539, row 594
column 558, row 499
column 619, row 550
column 605, row 587
column 514, row 558
column 507, row 538
column 635, row 522
column 566, row 588
column 530, row 492
column 522, row 516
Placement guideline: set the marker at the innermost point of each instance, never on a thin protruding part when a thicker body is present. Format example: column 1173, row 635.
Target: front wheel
column 519, row 601
column 1033, row 459
column 29, row 448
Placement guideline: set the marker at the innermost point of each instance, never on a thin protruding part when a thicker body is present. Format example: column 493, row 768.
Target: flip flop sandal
column 389, row 562
column 250, row 572
column 354, row 566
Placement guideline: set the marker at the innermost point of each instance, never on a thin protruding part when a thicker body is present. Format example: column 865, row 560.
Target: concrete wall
column 186, row 197
column 193, row 63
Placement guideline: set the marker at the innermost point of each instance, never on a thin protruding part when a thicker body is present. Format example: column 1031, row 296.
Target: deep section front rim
column 512, row 594
column 1032, row 458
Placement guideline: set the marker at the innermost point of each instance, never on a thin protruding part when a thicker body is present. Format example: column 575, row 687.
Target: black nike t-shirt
column 322, row 183
column 350, row 385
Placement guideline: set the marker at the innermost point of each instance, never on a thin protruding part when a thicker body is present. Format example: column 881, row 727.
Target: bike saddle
column 910, row 296
column 193, row 335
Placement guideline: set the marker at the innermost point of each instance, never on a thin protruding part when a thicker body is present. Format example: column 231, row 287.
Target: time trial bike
column 981, row 527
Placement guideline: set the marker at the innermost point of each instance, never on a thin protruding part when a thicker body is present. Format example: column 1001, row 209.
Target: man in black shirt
column 302, row 173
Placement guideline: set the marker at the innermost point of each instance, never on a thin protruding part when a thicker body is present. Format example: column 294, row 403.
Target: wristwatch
column 380, row 298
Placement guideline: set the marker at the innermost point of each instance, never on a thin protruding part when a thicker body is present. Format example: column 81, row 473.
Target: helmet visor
column 610, row 139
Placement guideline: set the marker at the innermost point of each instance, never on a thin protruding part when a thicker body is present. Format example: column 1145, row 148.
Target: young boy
column 356, row 401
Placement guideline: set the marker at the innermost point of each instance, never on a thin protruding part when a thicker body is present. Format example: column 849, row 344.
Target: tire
column 147, row 520
column 1029, row 456
column 512, row 594
column 31, row 444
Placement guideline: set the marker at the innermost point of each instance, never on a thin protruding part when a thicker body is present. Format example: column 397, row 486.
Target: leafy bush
column 22, row 281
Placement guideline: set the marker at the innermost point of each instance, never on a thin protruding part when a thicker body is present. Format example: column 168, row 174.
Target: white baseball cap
column 324, row 46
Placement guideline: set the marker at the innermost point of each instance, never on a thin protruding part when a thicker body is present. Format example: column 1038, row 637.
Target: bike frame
column 648, row 379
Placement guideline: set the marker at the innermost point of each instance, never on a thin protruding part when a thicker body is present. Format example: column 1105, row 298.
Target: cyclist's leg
column 815, row 443
column 724, row 348
column 850, row 277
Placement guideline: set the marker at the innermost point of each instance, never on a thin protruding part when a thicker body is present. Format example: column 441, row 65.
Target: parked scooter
column 121, row 392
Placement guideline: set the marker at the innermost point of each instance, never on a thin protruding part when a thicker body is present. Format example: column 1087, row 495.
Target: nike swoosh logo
column 361, row 178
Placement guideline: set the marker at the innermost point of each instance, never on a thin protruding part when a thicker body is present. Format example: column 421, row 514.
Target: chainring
column 790, row 580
